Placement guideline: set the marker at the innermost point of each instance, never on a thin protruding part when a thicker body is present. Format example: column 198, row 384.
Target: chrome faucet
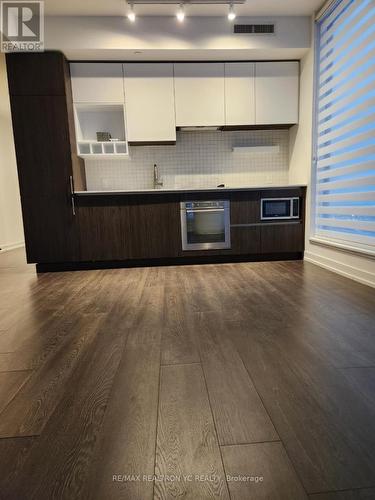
column 158, row 183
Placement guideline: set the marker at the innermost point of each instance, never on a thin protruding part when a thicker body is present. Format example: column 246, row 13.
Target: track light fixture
column 131, row 13
column 181, row 13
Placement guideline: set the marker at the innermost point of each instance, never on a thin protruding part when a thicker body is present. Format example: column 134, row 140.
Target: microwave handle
column 292, row 207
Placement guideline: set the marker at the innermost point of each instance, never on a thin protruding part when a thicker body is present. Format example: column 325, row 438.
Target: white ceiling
column 265, row 8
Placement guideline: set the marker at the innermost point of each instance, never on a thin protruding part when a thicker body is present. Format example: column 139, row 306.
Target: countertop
column 187, row 190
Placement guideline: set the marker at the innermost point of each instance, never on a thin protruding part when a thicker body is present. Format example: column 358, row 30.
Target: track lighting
column 131, row 13
column 231, row 13
column 181, row 13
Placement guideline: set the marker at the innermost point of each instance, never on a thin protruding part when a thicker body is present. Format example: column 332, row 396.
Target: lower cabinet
column 155, row 230
column 51, row 232
column 115, row 228
column 245, row 240
column 104, row 232
column 131, row 230
column 282, row 238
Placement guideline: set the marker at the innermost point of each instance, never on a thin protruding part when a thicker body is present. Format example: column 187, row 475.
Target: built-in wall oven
column 279, row 208
column 205, row 225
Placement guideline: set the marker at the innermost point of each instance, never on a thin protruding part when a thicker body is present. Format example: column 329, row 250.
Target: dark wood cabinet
column 245, row 240
column 245, row 207
column 41, row 137
column 104, row 232
column 283, row 193
column 244, row 212
column 282, row 238
column 50, row 229
column 44, row 141
column 251, row 235
column 133, row 228
column 155, row 229
column 41, row 73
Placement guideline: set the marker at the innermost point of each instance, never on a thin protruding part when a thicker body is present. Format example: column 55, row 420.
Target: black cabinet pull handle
column 72, row 194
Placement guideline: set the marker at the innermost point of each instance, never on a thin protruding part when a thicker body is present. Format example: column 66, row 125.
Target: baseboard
column 364, row 277
column 11, row 246
column 173, row 261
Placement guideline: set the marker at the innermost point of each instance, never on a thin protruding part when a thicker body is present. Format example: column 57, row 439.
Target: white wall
column 11, row 229
column 355, row 266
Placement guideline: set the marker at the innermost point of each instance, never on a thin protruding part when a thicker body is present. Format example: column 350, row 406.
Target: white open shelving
column 93, row 118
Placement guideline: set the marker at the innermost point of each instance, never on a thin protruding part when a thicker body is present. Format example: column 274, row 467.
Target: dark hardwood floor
column 232, row 381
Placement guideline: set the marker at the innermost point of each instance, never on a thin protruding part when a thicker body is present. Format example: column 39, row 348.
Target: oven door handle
column 192, row 211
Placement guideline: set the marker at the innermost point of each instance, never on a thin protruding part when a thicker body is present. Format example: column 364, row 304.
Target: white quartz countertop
column 187, row 190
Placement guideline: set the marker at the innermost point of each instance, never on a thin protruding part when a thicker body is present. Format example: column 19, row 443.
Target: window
column 344, row 130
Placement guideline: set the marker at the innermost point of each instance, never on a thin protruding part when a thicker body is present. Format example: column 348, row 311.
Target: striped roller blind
column 345, row 123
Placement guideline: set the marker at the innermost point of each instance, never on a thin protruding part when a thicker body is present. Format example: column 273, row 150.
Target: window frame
column 338, row 243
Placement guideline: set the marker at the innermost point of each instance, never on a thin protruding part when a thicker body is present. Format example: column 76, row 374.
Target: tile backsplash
column 198, row 160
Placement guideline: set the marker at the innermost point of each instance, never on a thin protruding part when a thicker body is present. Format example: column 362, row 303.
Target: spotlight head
column 231, row 13
column 181, row 13
column 131, row 13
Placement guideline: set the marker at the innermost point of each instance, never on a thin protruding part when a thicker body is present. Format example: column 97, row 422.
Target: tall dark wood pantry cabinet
column 43, row 127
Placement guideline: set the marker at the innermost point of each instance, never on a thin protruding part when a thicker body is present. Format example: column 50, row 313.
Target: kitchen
column 187, row 211
column 207, row 136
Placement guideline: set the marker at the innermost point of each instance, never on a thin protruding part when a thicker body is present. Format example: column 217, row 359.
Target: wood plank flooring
column 234, row 381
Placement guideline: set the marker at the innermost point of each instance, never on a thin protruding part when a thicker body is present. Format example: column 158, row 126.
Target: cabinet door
column 155, row 229
column 97, row 82
column 280, row 238
column 39, row 73
column 130, row 228
column 41, row 134
column 149, row 101
column 239, row 94
column 105, row 232
column 276, row 92
column 245, row 207
column 199, row 94
column 245, row 240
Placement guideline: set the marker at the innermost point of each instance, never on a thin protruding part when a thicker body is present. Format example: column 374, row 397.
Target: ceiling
column 265, row 8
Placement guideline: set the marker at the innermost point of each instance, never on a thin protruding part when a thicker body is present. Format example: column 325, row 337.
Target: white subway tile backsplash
column 199, row 159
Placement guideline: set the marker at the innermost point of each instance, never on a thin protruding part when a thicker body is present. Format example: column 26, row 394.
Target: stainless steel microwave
column 279, row 208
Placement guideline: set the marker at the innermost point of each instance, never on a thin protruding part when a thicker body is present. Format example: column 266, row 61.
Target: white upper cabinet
column 97, row 82
column 276, row 91
column 149, row 102
column 199, row 94
column 239, row 94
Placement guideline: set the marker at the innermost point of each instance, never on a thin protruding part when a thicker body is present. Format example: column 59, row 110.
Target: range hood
column 199, row 129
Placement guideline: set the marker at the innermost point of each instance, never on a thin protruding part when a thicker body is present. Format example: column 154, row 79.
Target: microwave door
column 279, row 208
column 275, row 209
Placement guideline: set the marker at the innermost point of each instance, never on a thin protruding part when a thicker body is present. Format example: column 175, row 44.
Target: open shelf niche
column 93, row 118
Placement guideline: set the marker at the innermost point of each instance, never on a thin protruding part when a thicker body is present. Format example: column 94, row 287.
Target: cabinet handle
column 204, row 210
column 72, row 194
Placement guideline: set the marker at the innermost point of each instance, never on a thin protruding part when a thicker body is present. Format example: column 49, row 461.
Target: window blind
column 345, row 123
